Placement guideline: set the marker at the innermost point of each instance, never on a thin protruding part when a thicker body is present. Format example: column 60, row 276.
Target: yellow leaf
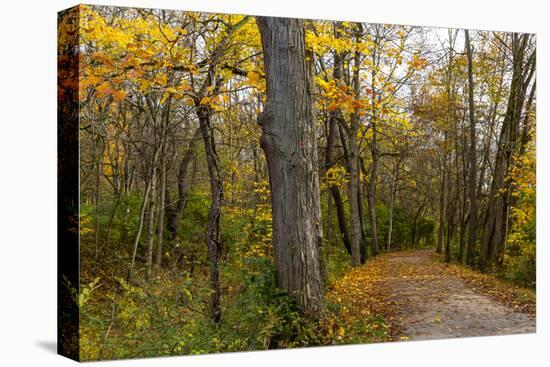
column 253, row 77
column 341, row 332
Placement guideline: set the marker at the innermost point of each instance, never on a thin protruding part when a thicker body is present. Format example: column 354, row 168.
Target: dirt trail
column 429, row 302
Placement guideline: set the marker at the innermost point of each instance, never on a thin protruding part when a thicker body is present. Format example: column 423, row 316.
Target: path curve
column 431, row 303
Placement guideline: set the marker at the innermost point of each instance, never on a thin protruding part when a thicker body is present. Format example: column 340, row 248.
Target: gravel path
column 430, row 303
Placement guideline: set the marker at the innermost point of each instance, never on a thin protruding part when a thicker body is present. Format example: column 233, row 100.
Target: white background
column 28, row 182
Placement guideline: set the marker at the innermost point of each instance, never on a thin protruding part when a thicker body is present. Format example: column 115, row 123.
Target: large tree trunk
column 289, row 142
column 472, row 160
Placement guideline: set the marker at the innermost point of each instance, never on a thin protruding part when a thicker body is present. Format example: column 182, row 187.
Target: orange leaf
column 119, row 95
column 104, row 88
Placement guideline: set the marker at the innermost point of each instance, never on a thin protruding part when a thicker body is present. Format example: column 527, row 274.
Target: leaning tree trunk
column 289, row 142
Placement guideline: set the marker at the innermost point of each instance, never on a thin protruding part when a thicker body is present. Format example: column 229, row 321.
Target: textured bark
column 289, row 142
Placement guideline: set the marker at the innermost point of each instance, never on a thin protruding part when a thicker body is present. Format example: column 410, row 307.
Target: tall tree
column 496, row 218
column 354, row 172
column 472, row 160
column 289, row 142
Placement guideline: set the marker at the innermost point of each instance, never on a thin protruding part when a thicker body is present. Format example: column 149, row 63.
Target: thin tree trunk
column 112, row 216
column 472, row 160
column 151, row 223
column 353, row 184
column 371, row 188
column 99, row 172
column 393, row 190
column 363, row 238
column 139, row 229
column 451, row 207
column 162, row 200
column 441, row 226
column 415, row 222
column 331, row 137
column 212, row 237
column 174, row 213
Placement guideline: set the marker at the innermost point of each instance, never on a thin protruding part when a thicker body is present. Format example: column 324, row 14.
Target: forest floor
column 423, row 298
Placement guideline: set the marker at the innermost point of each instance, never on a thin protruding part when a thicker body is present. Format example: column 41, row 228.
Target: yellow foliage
column 335, row 176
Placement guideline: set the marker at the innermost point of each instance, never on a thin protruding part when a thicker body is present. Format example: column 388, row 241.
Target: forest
column 252, row 183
